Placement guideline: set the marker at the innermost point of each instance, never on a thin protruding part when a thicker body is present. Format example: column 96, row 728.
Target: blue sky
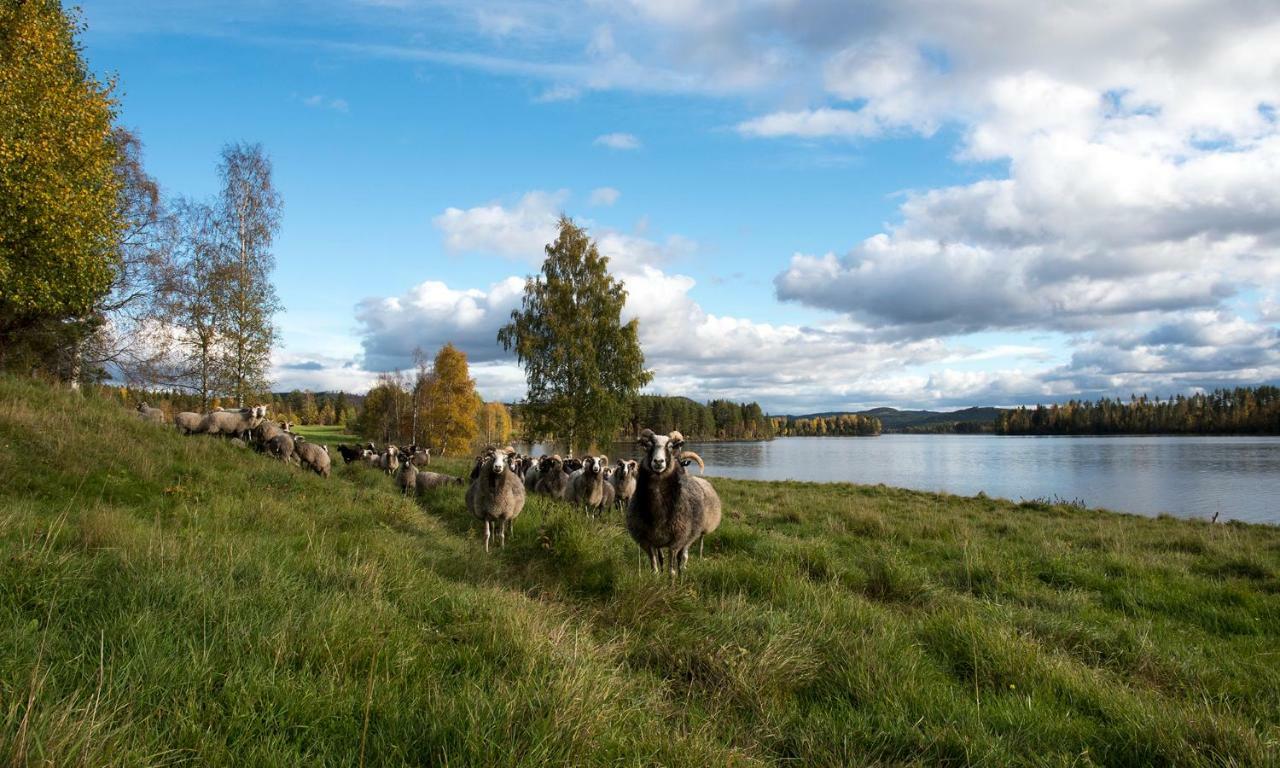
column 817, row 205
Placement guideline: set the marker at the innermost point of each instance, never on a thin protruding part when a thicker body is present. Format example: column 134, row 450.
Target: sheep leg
column 655, row 559
column 486, row 537
column 701, row 540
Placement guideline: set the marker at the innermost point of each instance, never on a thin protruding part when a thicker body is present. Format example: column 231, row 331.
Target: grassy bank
column 167, row 599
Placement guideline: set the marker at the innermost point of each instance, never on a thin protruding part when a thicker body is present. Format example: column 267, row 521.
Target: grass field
column 177, row 600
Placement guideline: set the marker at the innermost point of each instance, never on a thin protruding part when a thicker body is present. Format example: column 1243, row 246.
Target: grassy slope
column 167, row 599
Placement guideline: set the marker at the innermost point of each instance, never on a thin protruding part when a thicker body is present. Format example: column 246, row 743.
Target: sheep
column 349, row 453
column 264, row 432
column 147, row 413
column 587, row 486
column 407, row 478
column 552, row 481
column 428, row 480
column 370, row 458
column 187, row 422
column 572, row 465
column 624, row 482
column 531, row 474
column 421, row 457
column 312, row 456
column 670, row 508
column 496, row 496
column 233, row 423
column 389, row 461
column 283, row 447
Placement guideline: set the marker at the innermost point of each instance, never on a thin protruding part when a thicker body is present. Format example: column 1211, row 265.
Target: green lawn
column 178, row 600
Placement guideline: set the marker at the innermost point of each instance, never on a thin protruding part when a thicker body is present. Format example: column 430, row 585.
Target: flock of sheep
column 249, row 426
column 667, row 509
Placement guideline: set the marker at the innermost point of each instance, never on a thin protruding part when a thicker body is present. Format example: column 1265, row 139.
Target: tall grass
column 177, row 600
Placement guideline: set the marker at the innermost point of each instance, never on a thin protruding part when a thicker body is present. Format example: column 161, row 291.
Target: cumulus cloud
column 620, row 141
column 518, row 231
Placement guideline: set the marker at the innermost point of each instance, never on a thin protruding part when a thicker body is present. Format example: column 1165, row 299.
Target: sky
column 819, row 205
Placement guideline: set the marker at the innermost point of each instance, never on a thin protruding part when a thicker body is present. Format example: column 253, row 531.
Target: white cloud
column 519, row 232
column 620, row 141
column 605, row 196
column 559, row 92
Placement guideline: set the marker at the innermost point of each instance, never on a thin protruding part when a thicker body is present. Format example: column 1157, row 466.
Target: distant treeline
column 844, row 424
column 716, row 420
column 1243, row 410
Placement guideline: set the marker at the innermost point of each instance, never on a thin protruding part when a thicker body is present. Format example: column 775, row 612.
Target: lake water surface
column 1183, row 476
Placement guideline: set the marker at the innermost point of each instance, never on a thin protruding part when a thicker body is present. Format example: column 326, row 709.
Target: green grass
column 168, row 599
column 329, row 436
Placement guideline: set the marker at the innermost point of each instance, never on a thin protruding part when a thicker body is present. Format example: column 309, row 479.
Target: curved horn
column 702, row 467
column 604, row 458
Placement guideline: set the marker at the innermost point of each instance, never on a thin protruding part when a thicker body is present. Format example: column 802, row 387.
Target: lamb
column 233, row 423
column 552, row 481
column 188, row 422
column 283, row 447
column 407, row 478
column 147, row 413
column 428, row 480
column 370, row 458
column 496, row 496
column 312, row 456
column 587, row 486
column 624, row 482
column 670, row 508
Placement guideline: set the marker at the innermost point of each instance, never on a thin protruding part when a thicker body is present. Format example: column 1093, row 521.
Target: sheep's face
column 590, row 466
column 499, row 461
column 661, row 452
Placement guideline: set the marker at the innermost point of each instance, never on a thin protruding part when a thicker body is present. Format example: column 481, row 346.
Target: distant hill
column 894, row 420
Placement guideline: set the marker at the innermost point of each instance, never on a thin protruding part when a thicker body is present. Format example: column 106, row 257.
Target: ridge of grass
column 166, row 599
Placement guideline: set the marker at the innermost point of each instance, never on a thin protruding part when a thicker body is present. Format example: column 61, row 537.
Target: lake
column 1183, row 476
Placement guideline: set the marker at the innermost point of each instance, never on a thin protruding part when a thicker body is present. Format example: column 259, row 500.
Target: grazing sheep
column 282, row 446
column 312, row 456
column 624, row 482
column 147, row 413
column 587, row 486
column 264, row 432
column 670, row 508
column 428, row 480
column 188, row 422
column 496, row 496
column 552, row 481
column 233, row 423
column 407, row 478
